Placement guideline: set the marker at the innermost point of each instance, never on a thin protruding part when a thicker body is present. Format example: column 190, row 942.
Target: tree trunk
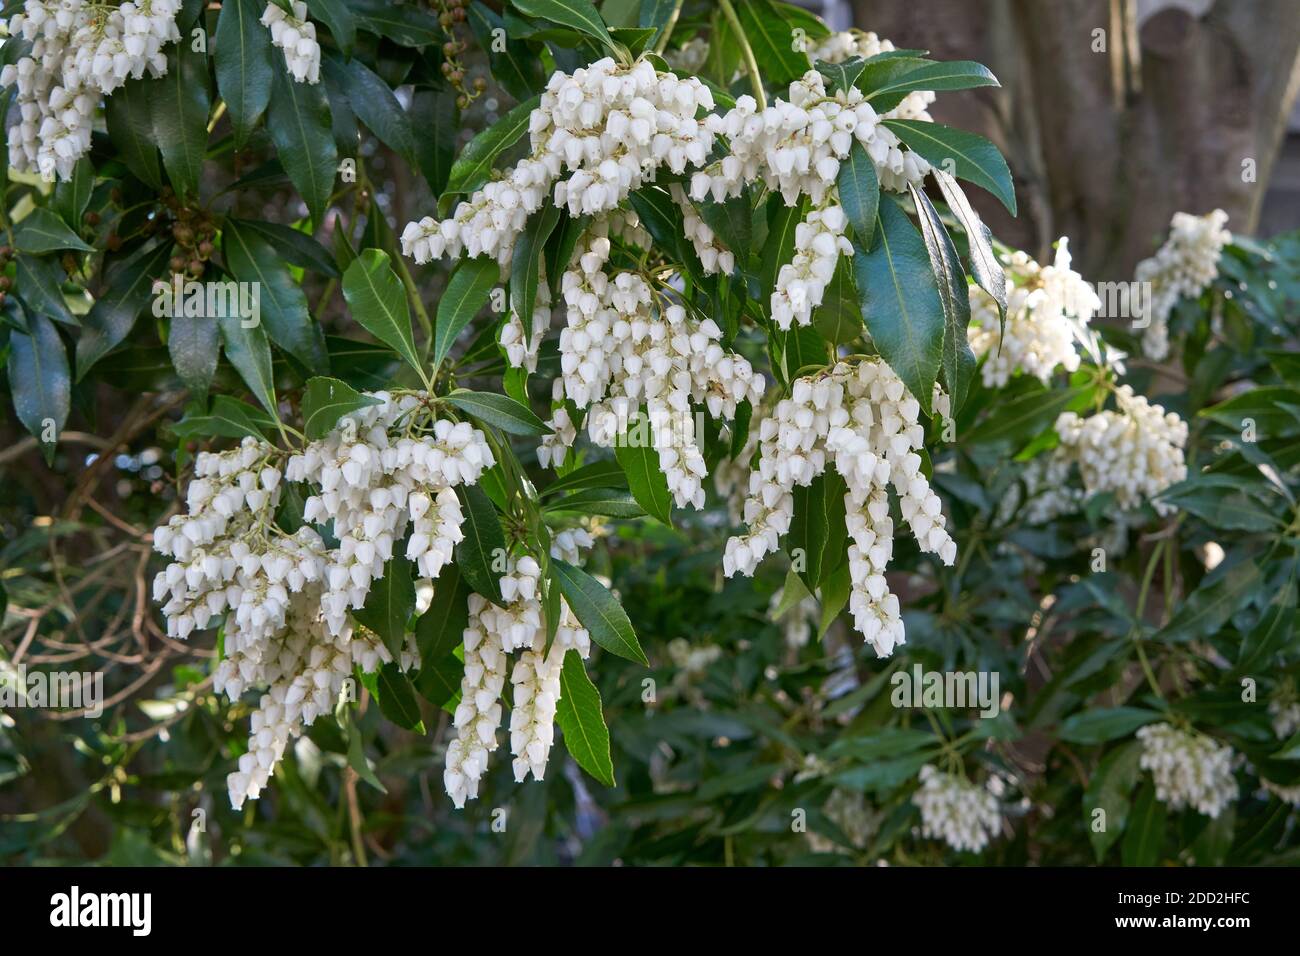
column 1110, row 129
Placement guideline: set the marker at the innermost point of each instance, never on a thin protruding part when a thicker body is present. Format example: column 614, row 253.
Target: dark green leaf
column 194, row 344
column 325, row 401
column 581, row 15
column 40, row 283
column 516, row 68
column 403, row 23
column 180, row 103
column 499, row 410
column 582, row 721
column 293, row 246
column 43, row 231
column 129, row 116
column 435, row 114
column 1105, row 723
column 598, row 611
column 1208, row 607
column 378, row 303
column 298, row 120
column 472, row 167
column 336, row 15
column 984, row 265
column 1108, row 790
column 816, row 541
column 839, row 317
column 965, row 154
column 467, row 292
column 249, row 352
column 1145, row 833
column 40, row 382
column 441, row 628
column 483, row 549
column 397, row 699
column 958, row 360
column 859, row 189
column 229, row 418
column 283, row 305
column 389, row 604
column 900, row 302
column 598, row 474
column 645, row 478
column 526, row 266
column 113, row 315
column 772, row 39
column 243, row 64
column 374, row 104
column 609, row 502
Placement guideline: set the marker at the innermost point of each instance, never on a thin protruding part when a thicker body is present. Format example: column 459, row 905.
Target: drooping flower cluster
column 521, row 341
column 714, row 257
column 796, row 145
column 296, row 36
column 1134, row 452
column 839, row 47
column 492, row 634
column 382, row 471
column 232, row 559
column 860, row 418
column 1046, row 306
column 1182, row 268
column 961, row 813
column 596, row 136
column 385, row 467
column 1189, row 769
column 80, row 51
column 627, row 344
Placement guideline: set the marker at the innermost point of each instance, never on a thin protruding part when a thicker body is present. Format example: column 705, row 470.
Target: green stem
column 662, row 43
column 746, row 52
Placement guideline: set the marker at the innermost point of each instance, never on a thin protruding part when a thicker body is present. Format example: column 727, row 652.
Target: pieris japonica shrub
column 680, row 417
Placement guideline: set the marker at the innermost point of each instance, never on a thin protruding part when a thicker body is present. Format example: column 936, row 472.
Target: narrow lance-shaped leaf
column 283, row 305
column 113, row 315
column 481, row 553
column 390, row 603
column 128, row 115
column 900, row 301
column 965, row 154
column 984, row 265
column 180, row 103
column 472, row 167
column 378, row 303
column 467, row 292
column 397, row 698
column 325, row 401
column 249, row 352
column 581, row 15
column 42, row 231
column 243, row 65
column 39, row 381
column 645, row 478
column 298, row 120
column 958, row 360
column 598, row 611
column 499, row 410
column 526, row 266
column 859, row 189
column 582, row 721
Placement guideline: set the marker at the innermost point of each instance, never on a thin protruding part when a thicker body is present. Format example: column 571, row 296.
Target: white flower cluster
column 492, row 634
column 1189, row 769
column 796, row 146
column 861, row 419
column 625, row 345
column 232, row 560
column 839, row 47
column 609, row 127
column 296, row 36
column 1135, row 451
column 819, row 241
column 1285, row 714
column 377, row 471
column 962, row 814
column 80, row 50
column 1182, row 268
column 521, row 343
column 1046, row 308
column 714, row 256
